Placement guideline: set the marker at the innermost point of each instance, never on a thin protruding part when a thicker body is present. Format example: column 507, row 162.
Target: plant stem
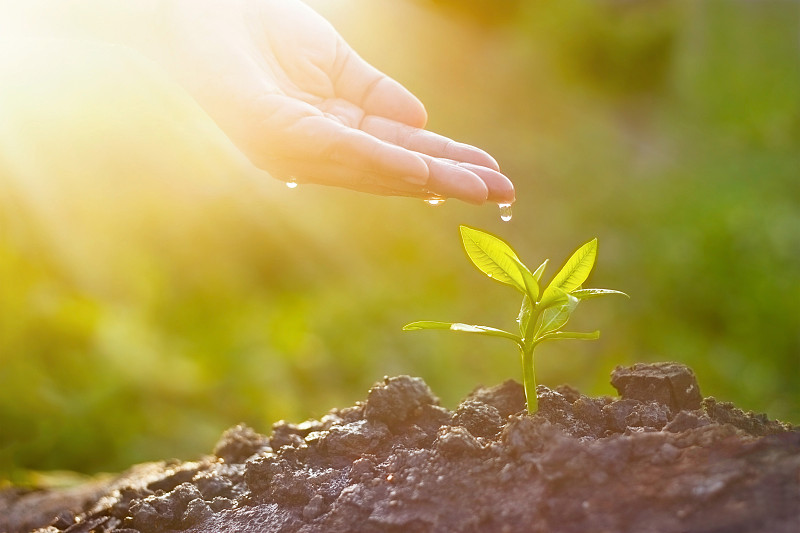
column 529, row 379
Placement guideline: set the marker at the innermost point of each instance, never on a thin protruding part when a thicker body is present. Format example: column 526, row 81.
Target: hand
column 301, row 104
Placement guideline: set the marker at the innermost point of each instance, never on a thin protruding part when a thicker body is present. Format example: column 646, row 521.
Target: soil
column 659, row 458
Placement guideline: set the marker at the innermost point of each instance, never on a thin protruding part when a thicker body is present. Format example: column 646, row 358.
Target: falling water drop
column 435, row 200
column 505, row 212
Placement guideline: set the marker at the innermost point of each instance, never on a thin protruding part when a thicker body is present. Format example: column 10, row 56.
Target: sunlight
column 150, row 276
column 99, row 164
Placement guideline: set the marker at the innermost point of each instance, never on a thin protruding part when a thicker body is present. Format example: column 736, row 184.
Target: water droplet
column 505, row 212
column 291, row 184
column 435, row 200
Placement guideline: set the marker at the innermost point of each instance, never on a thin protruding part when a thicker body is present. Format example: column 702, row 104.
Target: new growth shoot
column 544, row 312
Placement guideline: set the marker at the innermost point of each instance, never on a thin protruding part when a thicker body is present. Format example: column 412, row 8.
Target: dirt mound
column 658, row 459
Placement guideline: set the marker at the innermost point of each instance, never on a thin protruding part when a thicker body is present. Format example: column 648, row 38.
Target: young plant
column 543, row 312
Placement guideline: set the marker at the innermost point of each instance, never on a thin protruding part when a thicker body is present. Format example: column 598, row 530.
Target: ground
column 658, row 458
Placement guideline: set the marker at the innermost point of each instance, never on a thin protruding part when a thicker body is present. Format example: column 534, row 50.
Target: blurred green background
column 668, row 129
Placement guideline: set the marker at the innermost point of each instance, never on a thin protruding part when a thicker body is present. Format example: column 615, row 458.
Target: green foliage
column 670, row 128
column 540, row 319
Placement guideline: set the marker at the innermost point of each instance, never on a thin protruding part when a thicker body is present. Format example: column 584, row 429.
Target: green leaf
column 466, row 328
column 484, row 330
column 492, row 256
column 569, row 335
column 553, row 298
column 539, row 271
column 554, row 318
column 585, row 294
column 530, row 282
column 525, row 314
column 426, row 324
column 575, row 270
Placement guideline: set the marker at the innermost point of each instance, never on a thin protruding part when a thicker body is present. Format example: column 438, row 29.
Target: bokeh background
column 140, row 317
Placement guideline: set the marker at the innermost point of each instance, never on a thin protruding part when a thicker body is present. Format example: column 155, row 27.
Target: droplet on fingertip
column 505, row 212
column 435, row 200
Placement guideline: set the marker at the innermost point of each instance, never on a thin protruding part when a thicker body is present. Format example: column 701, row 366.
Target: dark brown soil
column 658, row 459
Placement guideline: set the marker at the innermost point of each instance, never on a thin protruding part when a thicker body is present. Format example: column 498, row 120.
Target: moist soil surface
column 658, row 458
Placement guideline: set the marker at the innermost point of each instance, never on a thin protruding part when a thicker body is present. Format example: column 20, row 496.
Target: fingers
column 426, row 142
column 314, row 141
column 359, row 160
column 500, row 189
column 306, row 145
column 471, row 183
column 328, row 140
column 454, row 166
column 331, row 153
column 449, row 180
column 336, row 175
column 377, row 94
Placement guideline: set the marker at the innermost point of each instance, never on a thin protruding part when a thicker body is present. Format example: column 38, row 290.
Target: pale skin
column 301, row 104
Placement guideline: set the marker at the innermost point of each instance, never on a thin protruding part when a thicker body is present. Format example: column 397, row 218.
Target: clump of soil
column 659, row 458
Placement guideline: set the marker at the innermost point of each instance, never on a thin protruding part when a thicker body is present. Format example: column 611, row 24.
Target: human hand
column 301, row 104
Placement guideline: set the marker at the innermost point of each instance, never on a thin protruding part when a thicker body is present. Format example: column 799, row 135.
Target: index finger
column 426, row 142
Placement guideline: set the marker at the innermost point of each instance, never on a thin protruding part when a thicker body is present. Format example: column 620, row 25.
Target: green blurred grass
column 668, row 129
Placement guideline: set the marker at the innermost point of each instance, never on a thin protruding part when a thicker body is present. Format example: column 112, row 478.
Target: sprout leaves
column 543, row 312
column 466, row 328
column 569, row 335
column 555, row 317
column 585, row 294
column 493, row 256
column 574, row 272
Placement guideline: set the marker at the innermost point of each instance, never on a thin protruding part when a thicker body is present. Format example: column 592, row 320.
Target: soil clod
column 671, row 384
column 660, row 458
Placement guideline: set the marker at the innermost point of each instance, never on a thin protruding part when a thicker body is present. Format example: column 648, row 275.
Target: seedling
column 543, row 312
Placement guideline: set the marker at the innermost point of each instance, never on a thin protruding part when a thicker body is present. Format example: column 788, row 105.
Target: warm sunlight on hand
column 301, row 104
